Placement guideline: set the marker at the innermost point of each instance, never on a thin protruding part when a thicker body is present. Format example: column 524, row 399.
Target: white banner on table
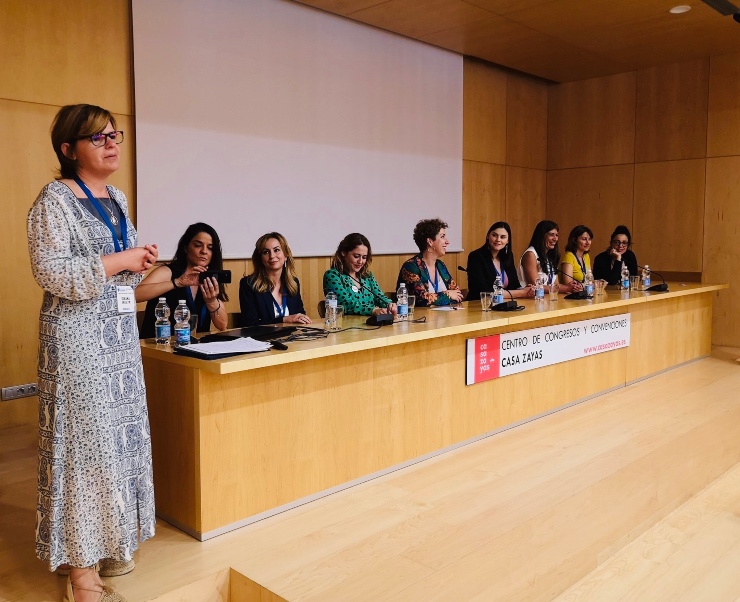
column 510, row 353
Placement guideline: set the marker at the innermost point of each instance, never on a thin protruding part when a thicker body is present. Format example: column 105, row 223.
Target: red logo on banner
column 487, row 358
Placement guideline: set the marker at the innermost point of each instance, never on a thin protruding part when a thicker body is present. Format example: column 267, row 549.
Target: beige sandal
column 115, row 568
column 106, row 593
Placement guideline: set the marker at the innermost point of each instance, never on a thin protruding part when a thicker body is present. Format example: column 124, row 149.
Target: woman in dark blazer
column 272, row 293
column 495, row 259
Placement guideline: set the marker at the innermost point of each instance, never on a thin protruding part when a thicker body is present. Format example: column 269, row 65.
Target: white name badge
column 126, row 299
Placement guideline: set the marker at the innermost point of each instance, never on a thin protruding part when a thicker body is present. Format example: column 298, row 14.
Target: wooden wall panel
column 592, row 122
column 721, row 252
column 526, row 122
column 671, row 121
column 484, row 112
column 525, row 204
column 52, row 54
column 723, row 129
column 484, row 201
column 599, row 197
column 669, row 215
column 58, row 53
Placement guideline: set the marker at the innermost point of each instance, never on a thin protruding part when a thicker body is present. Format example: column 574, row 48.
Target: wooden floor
column 513, row 517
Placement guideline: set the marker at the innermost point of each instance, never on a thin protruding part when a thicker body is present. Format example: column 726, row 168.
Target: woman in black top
column 198, row 250
column 608, row 265
column 495, row 259
column 272, row 294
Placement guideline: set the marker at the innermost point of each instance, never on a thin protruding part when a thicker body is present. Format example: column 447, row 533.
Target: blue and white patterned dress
column 95, row 489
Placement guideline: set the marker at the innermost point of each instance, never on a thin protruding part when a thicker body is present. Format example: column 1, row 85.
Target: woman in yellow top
column 576, row 261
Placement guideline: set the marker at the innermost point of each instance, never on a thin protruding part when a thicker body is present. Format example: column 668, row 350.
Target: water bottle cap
column 163, row 300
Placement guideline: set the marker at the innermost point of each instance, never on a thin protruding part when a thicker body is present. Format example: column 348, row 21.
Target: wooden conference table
column 238, row 439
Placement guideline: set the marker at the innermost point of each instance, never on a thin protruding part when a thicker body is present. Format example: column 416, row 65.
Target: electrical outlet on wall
column 19, row 391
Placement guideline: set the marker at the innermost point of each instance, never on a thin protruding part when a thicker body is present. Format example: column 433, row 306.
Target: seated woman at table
column 608, row 264
column 271, row 294
column 543, row 253
column 576, row 261
column 425, row 274
column 353, row 282
column 198, row 250
column 495, row 259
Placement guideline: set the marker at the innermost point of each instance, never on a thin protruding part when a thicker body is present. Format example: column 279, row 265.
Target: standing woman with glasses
column 576, row 261
column 95, row 490
column 608, row 264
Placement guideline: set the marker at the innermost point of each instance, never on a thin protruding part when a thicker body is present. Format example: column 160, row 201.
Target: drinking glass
column 554, row 290
column 338, row 316
column 634, row 283
column 412, row 304
column 486, row 299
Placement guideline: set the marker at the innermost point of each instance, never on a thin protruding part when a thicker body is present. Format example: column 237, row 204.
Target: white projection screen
column 262, row 115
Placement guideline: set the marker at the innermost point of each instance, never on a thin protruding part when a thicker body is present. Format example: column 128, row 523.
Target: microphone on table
column 577, row 295
column 506, row 305
column 656, row 288
column 379, row 319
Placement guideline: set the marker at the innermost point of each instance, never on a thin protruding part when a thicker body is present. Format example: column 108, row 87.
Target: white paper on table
column 242, row 345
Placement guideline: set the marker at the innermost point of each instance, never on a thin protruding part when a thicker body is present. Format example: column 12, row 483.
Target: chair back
column 322, row 308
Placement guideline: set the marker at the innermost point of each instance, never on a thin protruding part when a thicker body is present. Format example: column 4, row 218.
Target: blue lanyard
column 106, row 220
column 583, row 265
column 277, row 307
column 436, row 278
column 501, row 274
column 191, row 306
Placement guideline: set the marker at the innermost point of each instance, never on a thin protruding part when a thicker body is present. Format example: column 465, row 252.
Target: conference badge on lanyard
column 126, row 299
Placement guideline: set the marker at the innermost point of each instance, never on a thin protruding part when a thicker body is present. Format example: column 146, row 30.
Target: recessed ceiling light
column 677, row 10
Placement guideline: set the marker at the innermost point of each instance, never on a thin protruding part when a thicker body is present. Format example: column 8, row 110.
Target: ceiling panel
column 417, row 18
column 559, row 40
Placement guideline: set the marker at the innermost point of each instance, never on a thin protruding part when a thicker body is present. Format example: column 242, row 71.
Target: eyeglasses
column 102, row 139
column 620, row 243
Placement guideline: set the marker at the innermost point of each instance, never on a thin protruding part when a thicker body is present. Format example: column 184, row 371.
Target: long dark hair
column 538, row 242
column 505, row 255
column 349, row 242
column 575, row 234
column 180, row 260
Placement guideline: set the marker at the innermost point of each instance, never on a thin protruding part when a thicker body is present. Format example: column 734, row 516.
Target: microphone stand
column 577, row 295
column 378, row 319
column 506, row 305
column 656, row 288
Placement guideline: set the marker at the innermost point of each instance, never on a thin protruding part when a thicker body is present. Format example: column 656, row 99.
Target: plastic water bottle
column 402, row 302
column 162, row 330
column 645, row 277
column 539, row 285
column 498, row 291
column 625, row 277
column 588, row 284
column 182, row 325
column 330, row 306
